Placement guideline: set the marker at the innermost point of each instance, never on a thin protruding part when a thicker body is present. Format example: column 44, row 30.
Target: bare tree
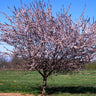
column 3, row 63
column 49, row 44
column 16, row 63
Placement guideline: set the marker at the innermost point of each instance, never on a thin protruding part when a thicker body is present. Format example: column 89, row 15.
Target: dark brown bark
column 44, row 86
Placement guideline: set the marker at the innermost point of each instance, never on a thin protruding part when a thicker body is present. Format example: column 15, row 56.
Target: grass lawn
column 77, row 84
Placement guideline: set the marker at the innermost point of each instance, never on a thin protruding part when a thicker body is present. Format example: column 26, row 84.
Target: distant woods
column 15, row 63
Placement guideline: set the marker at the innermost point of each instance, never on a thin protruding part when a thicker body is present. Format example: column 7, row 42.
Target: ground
column 14, row 94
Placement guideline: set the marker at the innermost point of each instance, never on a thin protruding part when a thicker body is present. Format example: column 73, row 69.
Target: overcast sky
column 76, row 9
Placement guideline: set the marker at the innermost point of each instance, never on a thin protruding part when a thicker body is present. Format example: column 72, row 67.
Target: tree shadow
column 73, row 90
column 51, row 90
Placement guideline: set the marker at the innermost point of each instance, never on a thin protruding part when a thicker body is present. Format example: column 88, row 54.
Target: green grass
column 81, row 84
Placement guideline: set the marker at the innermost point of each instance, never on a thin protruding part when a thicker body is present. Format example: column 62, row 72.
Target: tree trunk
column 44, row 86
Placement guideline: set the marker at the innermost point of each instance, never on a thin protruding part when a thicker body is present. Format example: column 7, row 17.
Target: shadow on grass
column 72, row 90
column 53, row 90
column 77, row 89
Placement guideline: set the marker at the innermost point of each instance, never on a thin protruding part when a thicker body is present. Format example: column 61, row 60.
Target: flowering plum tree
column 49, row 44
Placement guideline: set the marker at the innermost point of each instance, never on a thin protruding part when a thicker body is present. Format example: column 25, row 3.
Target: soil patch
column 14, row 94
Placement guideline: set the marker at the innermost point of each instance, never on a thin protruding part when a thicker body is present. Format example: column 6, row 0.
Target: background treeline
column 17, row 63
column 91, row 66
